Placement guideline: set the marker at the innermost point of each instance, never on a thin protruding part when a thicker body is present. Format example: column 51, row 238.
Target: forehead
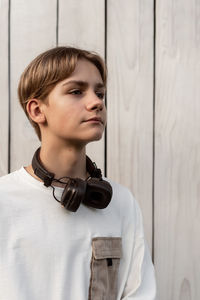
column 85, row 73
column 84, row 65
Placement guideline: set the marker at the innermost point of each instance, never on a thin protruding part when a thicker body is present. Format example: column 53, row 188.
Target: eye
column 76, row 92
column 101, row 95
column 79, row 92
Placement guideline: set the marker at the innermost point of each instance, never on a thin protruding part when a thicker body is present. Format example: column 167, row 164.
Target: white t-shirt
column 49, row 253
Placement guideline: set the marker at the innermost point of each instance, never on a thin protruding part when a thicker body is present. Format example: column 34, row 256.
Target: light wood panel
column 130, row 100
column 81, row 24
column 4, row 101
column 177, row 150
column 33, row 30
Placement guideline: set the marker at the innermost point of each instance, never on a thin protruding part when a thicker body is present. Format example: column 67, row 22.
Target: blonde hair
column 50, row 67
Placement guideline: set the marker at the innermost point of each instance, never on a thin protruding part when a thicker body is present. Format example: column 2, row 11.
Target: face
column 72, row 103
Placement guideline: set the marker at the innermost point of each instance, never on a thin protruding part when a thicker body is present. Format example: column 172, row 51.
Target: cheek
column 105, row 114
column 64, row 116
column 53, row 113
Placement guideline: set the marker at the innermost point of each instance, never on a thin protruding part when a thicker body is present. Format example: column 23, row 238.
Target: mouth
column 95, row 120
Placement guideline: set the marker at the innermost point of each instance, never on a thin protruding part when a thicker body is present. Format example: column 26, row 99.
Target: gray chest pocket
column 106, row 254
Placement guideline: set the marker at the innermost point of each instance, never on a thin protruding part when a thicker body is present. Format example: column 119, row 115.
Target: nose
column 94, row 102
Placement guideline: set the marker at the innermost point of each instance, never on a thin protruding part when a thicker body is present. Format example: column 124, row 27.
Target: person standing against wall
column 89, row 243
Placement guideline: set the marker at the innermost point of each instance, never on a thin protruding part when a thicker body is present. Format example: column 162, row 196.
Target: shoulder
column 8, row 177
column 9, row 187
column 122, row 196
column 126, row 206
column 9, row 181
column 118, row 188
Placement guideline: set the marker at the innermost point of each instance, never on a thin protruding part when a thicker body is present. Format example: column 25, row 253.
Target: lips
column 95, row 119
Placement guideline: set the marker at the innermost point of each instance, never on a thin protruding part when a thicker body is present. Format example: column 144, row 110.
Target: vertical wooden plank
column 81, row 24
column 177, row 155
column 4, row 85
column 33, row 30
column 130, row 100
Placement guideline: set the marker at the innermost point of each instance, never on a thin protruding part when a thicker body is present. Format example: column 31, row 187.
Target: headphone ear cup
column 98, row 193
column 73, row 194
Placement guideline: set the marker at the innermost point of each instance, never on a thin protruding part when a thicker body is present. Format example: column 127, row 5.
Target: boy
column 92, row 246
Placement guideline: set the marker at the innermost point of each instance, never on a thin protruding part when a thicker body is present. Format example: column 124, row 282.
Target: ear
column 35, row 111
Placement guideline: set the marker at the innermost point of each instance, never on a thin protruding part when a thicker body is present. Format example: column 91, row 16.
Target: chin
column 93, row 138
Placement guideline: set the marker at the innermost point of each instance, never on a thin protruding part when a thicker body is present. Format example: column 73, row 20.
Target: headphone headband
column 48, row 177
column 94, row 191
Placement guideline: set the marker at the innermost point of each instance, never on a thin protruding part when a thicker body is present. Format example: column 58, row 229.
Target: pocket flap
column 107, row 247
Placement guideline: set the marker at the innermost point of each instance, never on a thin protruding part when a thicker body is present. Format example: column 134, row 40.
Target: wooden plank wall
column 4, row 85
column 177, row 149
column 152, row 141
column 130, row 100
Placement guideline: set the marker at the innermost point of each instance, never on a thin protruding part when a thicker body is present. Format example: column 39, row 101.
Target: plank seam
column 9, row 89
column 154, row 98
column 105, row 54
column 57, row 21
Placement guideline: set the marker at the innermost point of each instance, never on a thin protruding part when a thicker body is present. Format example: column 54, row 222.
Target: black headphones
column 94, row 191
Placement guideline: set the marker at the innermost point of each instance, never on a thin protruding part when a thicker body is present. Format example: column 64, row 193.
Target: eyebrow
column 85, row 83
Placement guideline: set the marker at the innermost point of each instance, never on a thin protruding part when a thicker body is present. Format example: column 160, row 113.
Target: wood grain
column 177, row 155
column 4, row 85
column 130, row 100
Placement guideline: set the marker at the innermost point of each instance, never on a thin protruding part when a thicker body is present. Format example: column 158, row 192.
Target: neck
column 66, row 161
